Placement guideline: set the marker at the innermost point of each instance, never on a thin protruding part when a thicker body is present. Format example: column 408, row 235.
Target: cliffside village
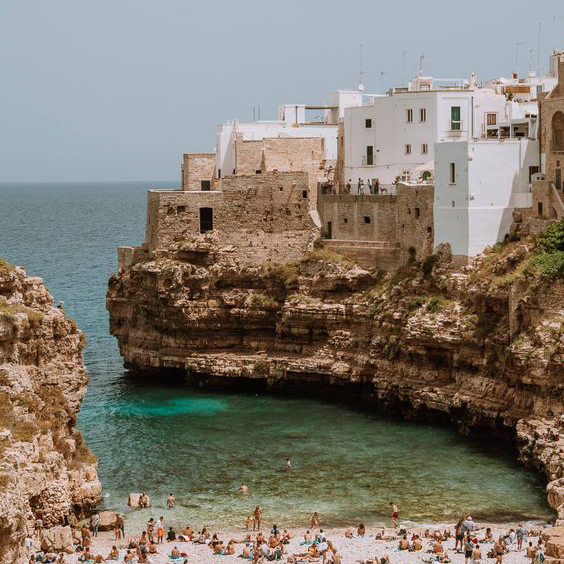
column 377, row 177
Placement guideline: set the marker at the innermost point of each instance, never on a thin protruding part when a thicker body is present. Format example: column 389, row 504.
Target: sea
column 159, row 435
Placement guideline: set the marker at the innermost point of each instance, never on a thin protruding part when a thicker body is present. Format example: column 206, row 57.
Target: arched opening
column 558, row 131
column 206, row 219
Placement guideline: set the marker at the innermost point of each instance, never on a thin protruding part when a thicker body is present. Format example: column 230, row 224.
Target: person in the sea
column 257, row 516
column 288, row 463
column 394, row 514
column 170, row 501
column 244, row 489
column 143, row 500
column 314, row 520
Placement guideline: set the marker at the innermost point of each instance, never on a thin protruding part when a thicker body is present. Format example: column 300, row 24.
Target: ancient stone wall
column 262, row 218
column 197, row 168
column 414, row 219
column 358, row 218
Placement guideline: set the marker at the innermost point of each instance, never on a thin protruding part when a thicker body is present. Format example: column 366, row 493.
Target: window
column 345, row 220
column 409, row 117
column 452, row 173
column 455, row 118
column 206, row 219
column 368, row 123
column 304, row 193
column 491, row 118
column 205, row 185
column 180, row 209
column 539, row 208
column 367, row 219
column 258, row 171
column 408, row 149
column 422, row 114
column 417, row 213
column 369, row 155
column 219, row 173
column 424, row 148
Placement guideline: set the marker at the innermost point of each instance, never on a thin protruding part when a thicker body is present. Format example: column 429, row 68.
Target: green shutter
column 455, row 113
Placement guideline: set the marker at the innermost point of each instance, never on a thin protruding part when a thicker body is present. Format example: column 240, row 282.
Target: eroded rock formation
column 481, row 346
column 47, row 473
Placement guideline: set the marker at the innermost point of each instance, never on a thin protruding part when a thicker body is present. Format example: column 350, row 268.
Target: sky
column 96, row 90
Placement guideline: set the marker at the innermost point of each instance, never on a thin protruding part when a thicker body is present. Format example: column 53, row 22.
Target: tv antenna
column 403, row 55
column 360, row 72
column 517, row 45
column 421, row 58
column 382, row 73
column 539, row 49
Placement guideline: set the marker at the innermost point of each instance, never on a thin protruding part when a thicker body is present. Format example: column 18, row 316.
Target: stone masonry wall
column 197, row 167
column 414, row 219
column 260, row 218
column 359, row 218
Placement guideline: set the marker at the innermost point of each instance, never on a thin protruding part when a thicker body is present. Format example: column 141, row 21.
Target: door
column 206, row 219
column 329, row 230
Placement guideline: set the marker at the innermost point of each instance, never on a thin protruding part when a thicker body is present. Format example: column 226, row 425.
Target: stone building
column 380, row 230
column 253, row 219
column 548, row 191
column 198, row 171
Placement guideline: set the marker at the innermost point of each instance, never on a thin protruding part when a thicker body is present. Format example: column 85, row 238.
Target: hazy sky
column 119, row 89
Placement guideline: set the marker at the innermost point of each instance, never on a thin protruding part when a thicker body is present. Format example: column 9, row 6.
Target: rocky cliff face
column 480, row 346
column 46, row 470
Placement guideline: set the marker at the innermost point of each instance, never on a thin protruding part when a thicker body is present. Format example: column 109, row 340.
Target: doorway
column 206, row 219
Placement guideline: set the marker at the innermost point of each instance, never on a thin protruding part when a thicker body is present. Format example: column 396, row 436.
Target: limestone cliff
column 481, row 346
column 46, row 470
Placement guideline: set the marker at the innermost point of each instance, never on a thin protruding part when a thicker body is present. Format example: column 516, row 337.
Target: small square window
column 258, row 171
column 205, row 185
column 180, row 209
column 345, row 220
column 417, row 213
column 368, row 123
column 367, row 219
column 304, row 193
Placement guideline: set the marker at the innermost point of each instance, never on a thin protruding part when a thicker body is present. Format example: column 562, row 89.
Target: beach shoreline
column 352, row 550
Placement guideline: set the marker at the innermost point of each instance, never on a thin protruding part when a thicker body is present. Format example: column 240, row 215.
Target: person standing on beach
column 468, row 548
column 314, row 520
column 170, row 501
column 150, row 529
column 395, row 514
column 95, row 523
column 458, row 534
column 160, row 531
column 499, row 549
column 257, row 516
column 288, row 463
column 522, row 534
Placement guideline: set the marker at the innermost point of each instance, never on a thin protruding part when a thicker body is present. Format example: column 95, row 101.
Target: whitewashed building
column 394, row 135
column 294, row 120
column 478, row 184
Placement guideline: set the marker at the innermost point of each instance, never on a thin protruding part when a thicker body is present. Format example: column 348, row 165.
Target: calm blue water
column 160, row 436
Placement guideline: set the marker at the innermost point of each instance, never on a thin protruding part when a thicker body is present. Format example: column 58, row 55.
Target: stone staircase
column 383, row 255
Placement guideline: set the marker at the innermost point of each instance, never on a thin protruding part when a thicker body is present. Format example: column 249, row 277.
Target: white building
column 294, row 120
column 395, row 134
column 477, row 186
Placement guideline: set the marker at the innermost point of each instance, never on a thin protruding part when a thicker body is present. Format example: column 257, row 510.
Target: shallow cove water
column 161, row 436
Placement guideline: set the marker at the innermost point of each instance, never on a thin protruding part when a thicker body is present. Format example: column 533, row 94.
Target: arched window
column 558, row 131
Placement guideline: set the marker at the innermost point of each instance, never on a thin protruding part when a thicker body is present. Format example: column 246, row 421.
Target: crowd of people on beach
column 158, row 540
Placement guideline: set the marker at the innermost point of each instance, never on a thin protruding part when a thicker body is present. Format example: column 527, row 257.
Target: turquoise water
column 160, row 436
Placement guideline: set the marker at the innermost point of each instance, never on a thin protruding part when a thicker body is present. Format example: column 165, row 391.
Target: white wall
column 492, row 178
column 391, row 132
